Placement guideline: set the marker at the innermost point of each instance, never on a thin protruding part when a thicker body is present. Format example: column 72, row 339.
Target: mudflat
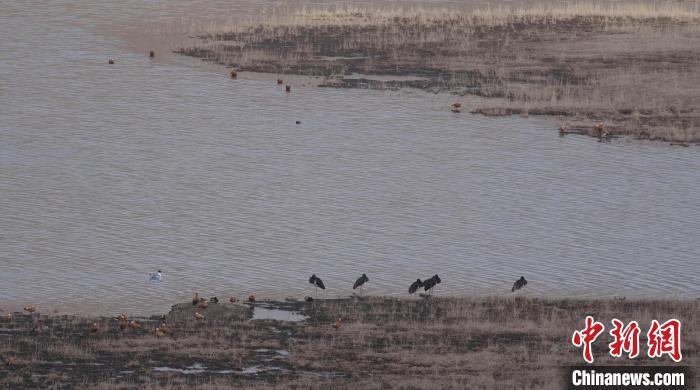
column 359, row 342
column 632, row 67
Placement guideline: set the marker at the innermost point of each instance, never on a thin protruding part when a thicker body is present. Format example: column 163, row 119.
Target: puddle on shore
column 263, row 313
column 250, row 370
column 193, row 369
column 196, row 368
column 270, row 355
column 280, row 352
column 254, row 370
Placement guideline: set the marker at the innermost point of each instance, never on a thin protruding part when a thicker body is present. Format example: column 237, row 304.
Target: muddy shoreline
column 359, row 342
column 571, row 67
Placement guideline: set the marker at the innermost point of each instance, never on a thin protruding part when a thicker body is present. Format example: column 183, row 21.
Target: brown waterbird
column 30, row 308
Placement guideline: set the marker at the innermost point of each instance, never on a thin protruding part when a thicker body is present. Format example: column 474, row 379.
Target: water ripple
column 108, row 173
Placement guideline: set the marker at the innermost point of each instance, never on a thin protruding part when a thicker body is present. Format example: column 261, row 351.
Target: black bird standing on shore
column 432, row 282
column 317, row 282
column 520, row 283
column 360, row 281
column 415, row 286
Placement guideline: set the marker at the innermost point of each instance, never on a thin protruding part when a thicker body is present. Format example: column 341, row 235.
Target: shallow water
column 196, row 368
column 264, row 313
column 108, row 173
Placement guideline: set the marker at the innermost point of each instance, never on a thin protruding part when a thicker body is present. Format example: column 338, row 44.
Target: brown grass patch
column 382, row 343
column 632, row 65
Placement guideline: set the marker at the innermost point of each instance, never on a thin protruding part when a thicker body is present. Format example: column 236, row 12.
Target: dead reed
column 381, row 343
column 632, row 65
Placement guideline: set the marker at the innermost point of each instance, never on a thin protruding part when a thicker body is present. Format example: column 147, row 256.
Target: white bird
column 156, row 277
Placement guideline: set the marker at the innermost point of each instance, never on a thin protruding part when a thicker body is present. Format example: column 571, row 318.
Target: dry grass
column 381, row 343
column 354, row 15
column 633, row 65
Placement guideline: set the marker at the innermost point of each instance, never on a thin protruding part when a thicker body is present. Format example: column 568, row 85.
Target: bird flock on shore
column 201, row 304
column 427, row 285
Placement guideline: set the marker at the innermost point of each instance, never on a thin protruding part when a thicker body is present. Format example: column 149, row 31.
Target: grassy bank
column 378, row 343
column 632, row 66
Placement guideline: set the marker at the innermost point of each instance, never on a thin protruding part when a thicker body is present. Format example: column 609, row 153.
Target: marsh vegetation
column 353, row 343
column 633, row 66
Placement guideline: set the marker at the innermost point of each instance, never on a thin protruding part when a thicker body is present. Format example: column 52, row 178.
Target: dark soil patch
column 572, row 68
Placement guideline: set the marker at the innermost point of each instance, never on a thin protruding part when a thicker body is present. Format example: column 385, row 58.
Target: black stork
column 360, row 281
column 317, row 282
column 432, row 282
column 520, row 283
column 415, row 286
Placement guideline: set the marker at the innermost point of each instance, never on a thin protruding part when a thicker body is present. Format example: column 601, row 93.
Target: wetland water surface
column 110, row 172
